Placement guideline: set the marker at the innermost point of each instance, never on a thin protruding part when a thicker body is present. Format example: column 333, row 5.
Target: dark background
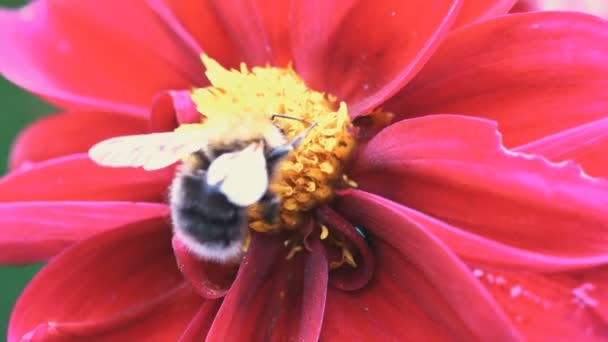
column 17, row 109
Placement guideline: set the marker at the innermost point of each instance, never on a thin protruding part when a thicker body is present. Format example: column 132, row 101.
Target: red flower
column 468, row 239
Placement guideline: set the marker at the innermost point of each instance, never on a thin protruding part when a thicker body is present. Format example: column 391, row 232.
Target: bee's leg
column 272, row 204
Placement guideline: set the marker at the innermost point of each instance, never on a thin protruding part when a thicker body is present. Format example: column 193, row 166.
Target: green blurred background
column 18, row 109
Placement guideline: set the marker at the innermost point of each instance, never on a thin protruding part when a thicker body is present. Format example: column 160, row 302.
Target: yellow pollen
column 351, row 183
column 295, row 249
column 324, row 232
column 249, row 97
column 246, row 242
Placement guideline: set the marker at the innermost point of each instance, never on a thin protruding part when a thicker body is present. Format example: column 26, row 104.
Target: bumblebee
column 227, row 165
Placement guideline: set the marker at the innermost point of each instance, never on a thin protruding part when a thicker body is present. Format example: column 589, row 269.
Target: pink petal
column 597, row 278
column 364, row 52
column 69, row 133
column 199, row 325
column 454, row 168
column 274, row 298
column 479, row 250
column 171, row 108
column 387, row 309
column 535, row 73
column 245, row 27
column 36, row 231
column 276, row 19
column 164, row 11
column 206, row 26
column 474, row 10
column 112, row 56
column 116, row 286
column 595, row 7
column 585, row 143
column 76, row 177
column 444, row 283
column 209, row 279
column 345, row 278
column 549, row 307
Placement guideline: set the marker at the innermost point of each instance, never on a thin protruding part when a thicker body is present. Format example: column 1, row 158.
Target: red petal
column 587, row 144
column 483, row 251
column 363, row 52
column 69, row 133
column 275, row 16
column 454, row 168
column 76, row 177
column 111, row 56
column 598, row 288
column 119, row 285
column 244, row 24
column 171, row 108
column 209, row 279
column 273, row 298
column 444, row 283
column 36, row 231
column 163, row 10
column 201, row 20
column 474, row 10
column 201, row 323
column 549, row 307
column 345, row 278
column 391, row 308
column 595, row 7
column 535, row 73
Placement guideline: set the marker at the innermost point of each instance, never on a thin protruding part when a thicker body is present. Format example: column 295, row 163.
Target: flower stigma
column 240, row 100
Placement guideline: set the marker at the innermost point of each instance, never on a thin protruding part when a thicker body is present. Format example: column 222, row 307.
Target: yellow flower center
column 308, row 176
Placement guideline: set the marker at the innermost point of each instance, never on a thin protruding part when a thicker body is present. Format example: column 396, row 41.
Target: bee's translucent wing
column 150, row 151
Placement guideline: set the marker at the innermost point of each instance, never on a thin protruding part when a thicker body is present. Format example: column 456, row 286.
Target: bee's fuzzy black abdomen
column 204, row 213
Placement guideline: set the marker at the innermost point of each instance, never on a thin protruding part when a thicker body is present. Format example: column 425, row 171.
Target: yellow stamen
column 295, row 249
column 351, row 183
column 247, row 242
column 324, row 232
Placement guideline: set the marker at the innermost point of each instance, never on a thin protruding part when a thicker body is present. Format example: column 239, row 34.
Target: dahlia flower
column 454, row 189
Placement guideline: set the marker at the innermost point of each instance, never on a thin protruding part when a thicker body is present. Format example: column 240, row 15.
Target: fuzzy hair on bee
column 226, row 167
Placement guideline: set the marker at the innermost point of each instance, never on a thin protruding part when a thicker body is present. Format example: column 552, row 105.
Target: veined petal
column 109, row 287
column 443, row 285
column 68, row 133
column 474, row 10
column 455, row 169
column 76, row 177
column 274, row 298
column 364, row 52
column 36, row 231
column 535, row 73
column 107, row 56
